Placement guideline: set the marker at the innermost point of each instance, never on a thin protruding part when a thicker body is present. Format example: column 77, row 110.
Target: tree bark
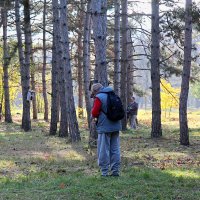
column 117, row 48
column 46, row 111
column 130, row 68
column 99, row 18
column 86, row 60
column 80, row 63
column 87, row 74
column 19, row 37
column 71, row 111
column 54, row 93
column 156, row 130
column 184, row 133
column 34, row 102
column 6, row 57
column 26, row 120
column 63, row 130
column 124, row 61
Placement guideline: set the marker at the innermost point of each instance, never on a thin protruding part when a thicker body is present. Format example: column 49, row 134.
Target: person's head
column 96, row 88
column 132, row 98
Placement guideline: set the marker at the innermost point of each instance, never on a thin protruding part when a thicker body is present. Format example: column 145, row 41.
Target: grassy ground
column 37, row 167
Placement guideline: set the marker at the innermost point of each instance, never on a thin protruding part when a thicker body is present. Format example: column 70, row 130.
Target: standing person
column 108, row 145
column 132, row 111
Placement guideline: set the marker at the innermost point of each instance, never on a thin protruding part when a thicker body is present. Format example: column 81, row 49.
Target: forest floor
column 35, row 166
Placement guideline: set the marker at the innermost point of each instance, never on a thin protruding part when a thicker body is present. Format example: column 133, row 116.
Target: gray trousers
column 133, row 123
column 109, row 153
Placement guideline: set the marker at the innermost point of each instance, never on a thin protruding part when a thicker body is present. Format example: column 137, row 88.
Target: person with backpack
column 108, row 111
column 132, row 111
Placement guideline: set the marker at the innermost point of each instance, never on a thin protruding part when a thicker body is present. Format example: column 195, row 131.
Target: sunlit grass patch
column 6, row 164
column 70, row 154
column 184, row 173
column 196, row 134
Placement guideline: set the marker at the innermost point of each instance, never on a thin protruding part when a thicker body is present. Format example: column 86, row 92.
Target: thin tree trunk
column 46, row 113
column 99, row 18
column 54, row 93
column 71, row 111
column 19, row 37
column 1, row 99
column 117, row 48
column 156, row 130
column 6, row 57
column 130, row 69
column 184, row 133
column 80, row 64
column 34, row 101
column 86, row 60
column 124, row 61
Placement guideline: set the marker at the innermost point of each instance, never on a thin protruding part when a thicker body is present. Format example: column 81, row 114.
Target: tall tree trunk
column 117, row 48
column 86, row 60
column 80, row 63
column 124, row 61
column 54, row 93
column 1, row 99
column 87, row 74
column 99, row 17
column 184, row 133
column 26, row 120
column 130, row 69
column 34, row 102
column 71, row 111
column 19, row 37
column 6, row 58
column 63, row 131
column 44, row 65
column 156, row 130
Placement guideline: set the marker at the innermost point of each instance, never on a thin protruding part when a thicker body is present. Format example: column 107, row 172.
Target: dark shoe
column 115, row 175
column 104, row 175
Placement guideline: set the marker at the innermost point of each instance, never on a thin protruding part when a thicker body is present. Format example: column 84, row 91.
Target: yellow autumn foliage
column 169, row 95
column 14, row 86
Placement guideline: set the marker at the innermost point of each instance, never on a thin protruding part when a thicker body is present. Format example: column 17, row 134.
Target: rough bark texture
column 19, row 36
column 80, row 62
column 124, row 61
column 63, row 130
column 26, row 120
column 46, row 111
column 184, row 133
column 87, row 74
column 6, row 62
column 34, row 102
column 117, row 48
column 130, row 69
column 54, row 93
column 71, row 111
column 86, row 60
column 99, row 18
column 156, row 130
